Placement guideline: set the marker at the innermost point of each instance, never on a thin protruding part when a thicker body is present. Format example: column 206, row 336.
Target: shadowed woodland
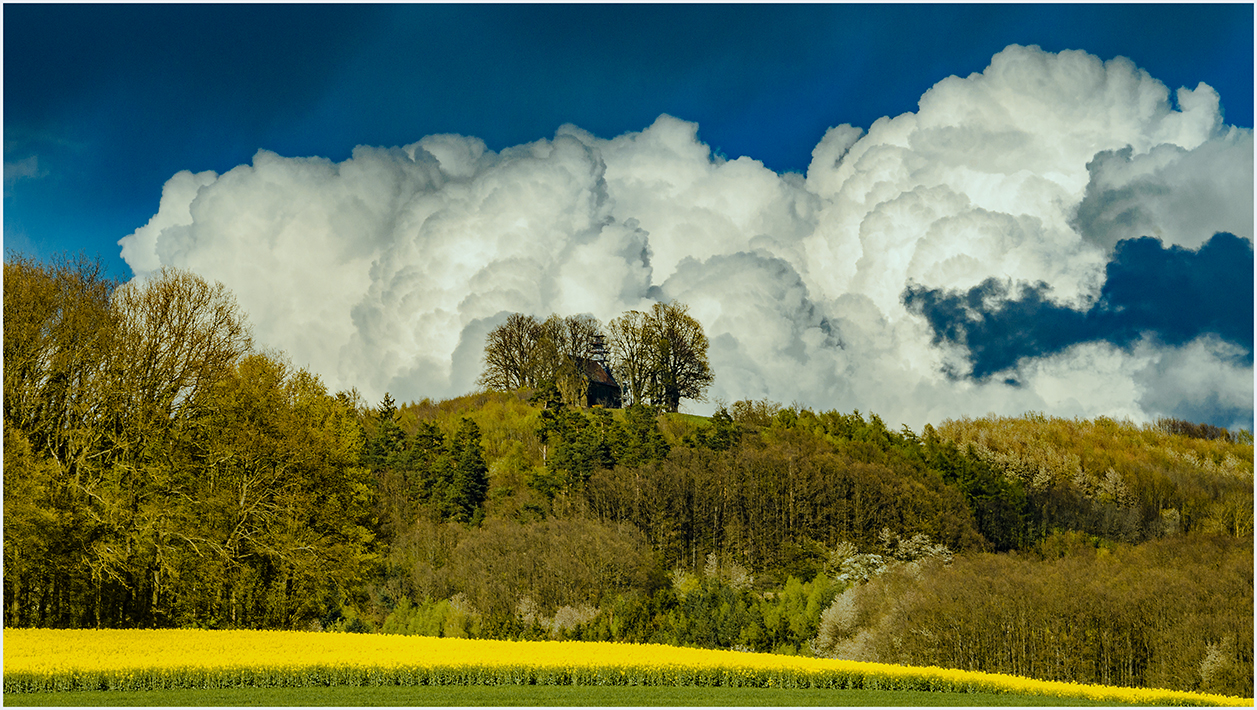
column 161, row 471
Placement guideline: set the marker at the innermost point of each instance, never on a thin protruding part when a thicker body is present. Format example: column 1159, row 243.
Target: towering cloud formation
column 1012, row 190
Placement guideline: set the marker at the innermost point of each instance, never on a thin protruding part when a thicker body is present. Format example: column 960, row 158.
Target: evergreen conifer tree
column 470, row 486
column 389, row 437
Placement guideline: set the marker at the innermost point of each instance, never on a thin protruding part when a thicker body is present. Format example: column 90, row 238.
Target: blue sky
column 111, row 100
column 923, row 211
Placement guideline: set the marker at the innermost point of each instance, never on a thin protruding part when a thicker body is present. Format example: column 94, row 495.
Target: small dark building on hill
column 603, row 389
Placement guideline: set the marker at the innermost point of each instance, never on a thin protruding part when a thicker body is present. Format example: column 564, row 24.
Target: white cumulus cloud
column 1180, row 196
column 385, row 271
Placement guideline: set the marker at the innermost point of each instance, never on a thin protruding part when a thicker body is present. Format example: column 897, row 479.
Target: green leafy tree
column 58, row 339
column 576, row 446
column 426, row 463
column 999, row 505
column 720, row 435
column 638, row 438
column 725, row 432
column 158, row 473
column 282, row 515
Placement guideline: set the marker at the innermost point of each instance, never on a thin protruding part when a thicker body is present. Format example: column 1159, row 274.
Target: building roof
column 596, row 372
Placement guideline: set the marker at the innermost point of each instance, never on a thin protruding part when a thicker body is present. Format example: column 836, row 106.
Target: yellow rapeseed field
column 41, row 660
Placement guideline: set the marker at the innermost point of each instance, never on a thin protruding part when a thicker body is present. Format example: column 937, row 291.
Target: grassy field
column 505, row 696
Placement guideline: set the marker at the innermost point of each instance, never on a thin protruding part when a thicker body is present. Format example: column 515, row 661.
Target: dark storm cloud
column 1175, row 295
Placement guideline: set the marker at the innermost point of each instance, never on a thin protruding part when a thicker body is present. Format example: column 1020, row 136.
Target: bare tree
column 57, row 331
column 574, row 335
column 524, row 352
column 568, row 343
column 510, row 352
column 680, row 367
column 661, row 356
column 631, row 343
column 176, row 335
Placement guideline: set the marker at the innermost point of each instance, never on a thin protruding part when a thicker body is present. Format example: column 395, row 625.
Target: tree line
column 658, row 356
column 1117, row 480
column 157, row 471
column 1171, row 613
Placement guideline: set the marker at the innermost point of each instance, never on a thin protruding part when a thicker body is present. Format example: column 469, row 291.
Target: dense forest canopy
column 157, row 470
column 161, row 471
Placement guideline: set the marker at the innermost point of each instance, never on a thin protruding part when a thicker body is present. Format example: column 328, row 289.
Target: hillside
column 771, row 528
column 160, row 472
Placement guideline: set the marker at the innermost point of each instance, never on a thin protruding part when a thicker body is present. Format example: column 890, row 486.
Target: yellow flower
column 35, row 659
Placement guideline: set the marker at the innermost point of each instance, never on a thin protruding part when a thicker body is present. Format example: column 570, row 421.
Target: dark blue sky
column 1174, row 295
column 103, row 103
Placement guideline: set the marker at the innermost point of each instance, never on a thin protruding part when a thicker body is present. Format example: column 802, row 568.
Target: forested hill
column 774, row 486
column 160, row 472
column 1124, row 551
